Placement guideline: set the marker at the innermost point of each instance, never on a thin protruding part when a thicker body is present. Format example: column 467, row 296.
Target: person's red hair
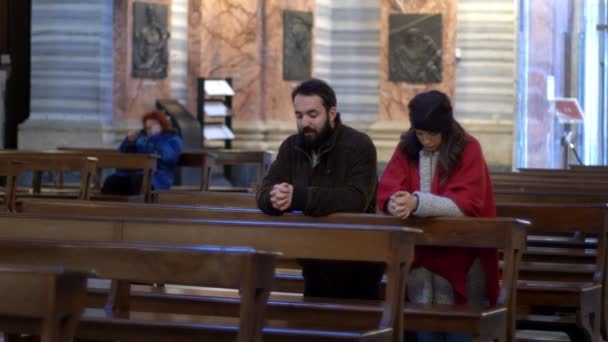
column 159, row 116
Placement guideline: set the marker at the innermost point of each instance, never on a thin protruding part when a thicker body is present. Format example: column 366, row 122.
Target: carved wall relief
column 150, row 38
column 297, row 45
column 415, row 48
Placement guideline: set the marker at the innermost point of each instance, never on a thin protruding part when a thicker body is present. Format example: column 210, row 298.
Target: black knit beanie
column 431, row 111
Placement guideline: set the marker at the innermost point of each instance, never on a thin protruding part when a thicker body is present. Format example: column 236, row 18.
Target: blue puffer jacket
column 167, row 145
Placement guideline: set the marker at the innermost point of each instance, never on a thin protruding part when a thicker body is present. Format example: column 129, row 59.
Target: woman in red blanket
column 439, row 170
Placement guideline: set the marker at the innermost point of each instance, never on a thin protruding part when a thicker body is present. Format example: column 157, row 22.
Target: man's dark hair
column 317, row 87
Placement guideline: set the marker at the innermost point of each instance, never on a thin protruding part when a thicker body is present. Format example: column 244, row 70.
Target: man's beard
column 320, row 137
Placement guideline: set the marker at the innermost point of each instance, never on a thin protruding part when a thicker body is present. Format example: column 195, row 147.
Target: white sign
column 216, row 108
column 217, row 132
column 218, row 88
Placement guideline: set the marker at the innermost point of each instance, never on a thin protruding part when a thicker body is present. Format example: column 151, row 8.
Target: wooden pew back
column 581, row 219
column 505, row 234
column 44, row 301
column 236, row 267
column 39, row 161
column 204, row 159
column 392, row 245
column 205, row 198
column 10, row 170
column 544, row 196
column 112, row 159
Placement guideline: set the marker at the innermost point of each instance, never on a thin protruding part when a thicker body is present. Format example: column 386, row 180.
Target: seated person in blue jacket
column 158, row 138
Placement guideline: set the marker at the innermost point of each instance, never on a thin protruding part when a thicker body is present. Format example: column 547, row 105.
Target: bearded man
column 326, row 168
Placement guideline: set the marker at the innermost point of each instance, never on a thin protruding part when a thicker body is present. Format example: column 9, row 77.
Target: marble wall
column 242, row 40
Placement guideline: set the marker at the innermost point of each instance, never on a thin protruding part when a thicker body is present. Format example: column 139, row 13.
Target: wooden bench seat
column 43, row 301
column 154, row 326
column 312, row 313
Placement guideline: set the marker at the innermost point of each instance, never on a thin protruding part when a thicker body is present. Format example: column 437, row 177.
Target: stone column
column 347, row 46
column 71, row 98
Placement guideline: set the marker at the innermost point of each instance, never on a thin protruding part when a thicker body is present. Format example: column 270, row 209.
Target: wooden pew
column 131, row 161
column 389, row 244
column 566, row 180
column 112, row 159
column 262, row 159
column 243, row 268
column 436, row 233
column 550, row 197
column 205, row 198
column 206, row 160
column 43, row 301
column 200, row 159
column 39, row 161
column 209, row 159
column 549, row 173
column 549, row 181
column 538, row 186
column 574, row 169
column 581, row 283
column 550, row 177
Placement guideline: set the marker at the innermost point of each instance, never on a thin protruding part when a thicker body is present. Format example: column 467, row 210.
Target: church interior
column 304, row 170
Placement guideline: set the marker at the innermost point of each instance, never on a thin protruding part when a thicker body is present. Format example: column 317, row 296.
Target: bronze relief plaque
column 415, row 48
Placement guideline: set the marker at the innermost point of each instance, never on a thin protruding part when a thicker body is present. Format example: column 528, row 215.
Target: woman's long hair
column 453, row 143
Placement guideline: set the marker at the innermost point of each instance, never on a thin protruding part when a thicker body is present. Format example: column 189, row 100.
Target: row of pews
column 196, row 265
column 89, row 163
